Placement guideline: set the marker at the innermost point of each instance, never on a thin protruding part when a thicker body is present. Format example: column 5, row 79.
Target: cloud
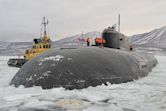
column 21, row 19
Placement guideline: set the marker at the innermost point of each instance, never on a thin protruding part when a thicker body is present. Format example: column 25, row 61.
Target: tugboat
column 40, row 45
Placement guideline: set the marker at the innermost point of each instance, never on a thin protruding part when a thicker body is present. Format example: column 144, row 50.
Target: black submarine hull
column 83, row 67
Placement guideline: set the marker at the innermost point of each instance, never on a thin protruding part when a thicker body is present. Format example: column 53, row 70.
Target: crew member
column 131, row 47
column 88, row 41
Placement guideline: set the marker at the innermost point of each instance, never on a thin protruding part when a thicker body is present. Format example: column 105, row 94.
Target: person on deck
column 88, row 41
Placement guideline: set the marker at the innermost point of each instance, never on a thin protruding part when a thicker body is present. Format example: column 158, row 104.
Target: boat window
column 35, row 40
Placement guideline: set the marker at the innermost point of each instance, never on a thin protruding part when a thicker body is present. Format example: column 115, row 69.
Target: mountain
column 18, row 48
column 14, row 48
column 77, row 40
column 154, row 39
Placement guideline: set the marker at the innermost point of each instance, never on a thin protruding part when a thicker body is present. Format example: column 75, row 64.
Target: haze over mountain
column 17, row 48
column 153, row 39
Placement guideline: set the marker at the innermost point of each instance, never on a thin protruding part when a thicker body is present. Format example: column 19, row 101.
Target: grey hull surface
column 83, row 67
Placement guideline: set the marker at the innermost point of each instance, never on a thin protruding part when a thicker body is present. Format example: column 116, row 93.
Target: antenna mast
column 119, row 23
column 45, row 23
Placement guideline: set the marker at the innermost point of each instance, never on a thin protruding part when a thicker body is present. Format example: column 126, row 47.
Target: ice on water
column 53, row 58
column 145, row 94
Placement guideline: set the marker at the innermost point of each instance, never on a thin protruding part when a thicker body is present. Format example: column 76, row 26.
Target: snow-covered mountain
column 77, row 40
column 155, row 38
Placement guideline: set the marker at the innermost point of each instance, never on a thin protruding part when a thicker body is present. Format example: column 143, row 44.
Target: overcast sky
column 20, row 20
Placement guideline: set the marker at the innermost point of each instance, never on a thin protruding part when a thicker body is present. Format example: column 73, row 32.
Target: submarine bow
column 83, row 67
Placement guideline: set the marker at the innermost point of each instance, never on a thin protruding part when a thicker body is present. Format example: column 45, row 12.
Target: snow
column 52, row 58
column 69, row 59
column 148, row 93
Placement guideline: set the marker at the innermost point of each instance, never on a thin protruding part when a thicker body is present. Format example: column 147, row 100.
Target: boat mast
column 45, row 23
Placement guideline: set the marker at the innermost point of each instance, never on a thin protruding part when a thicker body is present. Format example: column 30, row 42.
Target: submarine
column 110, row 60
